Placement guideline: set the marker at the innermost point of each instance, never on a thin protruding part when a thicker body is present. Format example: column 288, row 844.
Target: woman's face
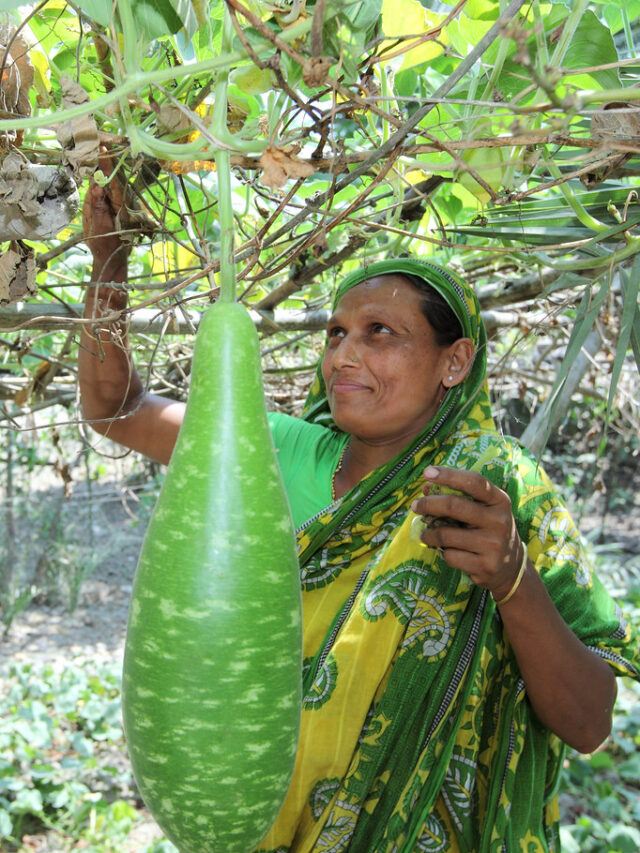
column 382, row 366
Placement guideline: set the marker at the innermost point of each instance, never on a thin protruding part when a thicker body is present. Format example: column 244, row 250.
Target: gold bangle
column 517, row 581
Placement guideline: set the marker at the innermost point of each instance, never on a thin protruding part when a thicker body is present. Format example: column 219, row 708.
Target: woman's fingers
column 469, row 482
column 473, row 526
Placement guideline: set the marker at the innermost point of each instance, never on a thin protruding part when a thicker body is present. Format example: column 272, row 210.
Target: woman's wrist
column 502, row 596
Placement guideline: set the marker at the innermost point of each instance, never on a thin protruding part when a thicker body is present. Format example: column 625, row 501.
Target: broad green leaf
column 624, row 839
column 592, row 45
column 408, row 17
column 406, row 82
column 482, row 10
column 99, row 11
column 613, row 13
column 363, row 14
column 601, row 761
column 155, row 18
column 5, row 823
column 27, row 802
column 465, row 31
column 41, row 76
column 569, row 843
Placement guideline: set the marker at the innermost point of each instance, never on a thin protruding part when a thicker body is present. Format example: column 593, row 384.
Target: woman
column 443, row 669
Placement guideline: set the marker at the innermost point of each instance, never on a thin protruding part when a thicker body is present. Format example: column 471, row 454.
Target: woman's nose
column 346, row 353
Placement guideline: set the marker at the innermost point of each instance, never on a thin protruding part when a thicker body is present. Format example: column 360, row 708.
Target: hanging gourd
column 212, row 669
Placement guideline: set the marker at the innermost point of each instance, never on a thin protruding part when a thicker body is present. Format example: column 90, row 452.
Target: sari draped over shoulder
column 416, row 732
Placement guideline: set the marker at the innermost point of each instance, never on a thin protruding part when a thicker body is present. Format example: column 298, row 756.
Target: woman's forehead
column 393, row 286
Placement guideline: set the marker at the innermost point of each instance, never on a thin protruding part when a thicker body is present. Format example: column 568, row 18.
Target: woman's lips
column 346, row 386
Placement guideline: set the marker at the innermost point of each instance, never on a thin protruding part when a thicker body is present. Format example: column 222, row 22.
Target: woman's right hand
column 99, row 217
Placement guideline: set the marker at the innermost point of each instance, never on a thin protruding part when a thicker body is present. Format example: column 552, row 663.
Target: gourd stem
column 223, row 168
column 225, row 215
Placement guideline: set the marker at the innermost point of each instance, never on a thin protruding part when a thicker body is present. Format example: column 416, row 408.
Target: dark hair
column 436, row 309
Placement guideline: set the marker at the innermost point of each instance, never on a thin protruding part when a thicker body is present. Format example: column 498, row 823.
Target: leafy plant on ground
column 62, row 762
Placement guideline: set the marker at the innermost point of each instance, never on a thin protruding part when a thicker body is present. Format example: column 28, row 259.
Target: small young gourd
column 212, row 670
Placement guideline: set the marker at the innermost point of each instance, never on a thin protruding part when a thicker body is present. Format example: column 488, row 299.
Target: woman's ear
column 460, row 358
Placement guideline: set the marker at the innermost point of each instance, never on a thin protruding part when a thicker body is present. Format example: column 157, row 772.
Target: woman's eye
column 335, row 332
column 380, row 329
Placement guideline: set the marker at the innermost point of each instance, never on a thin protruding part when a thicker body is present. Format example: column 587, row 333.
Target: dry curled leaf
column 19, row 185
column 132, row 219
column 36, row 202
column 78, row 136
column 615, row 122
column 611, row 127
column 280, row 164
column 15, row 81
column 314, row 72
column 174, row 122
column 17, row 273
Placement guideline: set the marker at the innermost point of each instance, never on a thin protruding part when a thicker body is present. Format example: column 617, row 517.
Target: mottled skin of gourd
column 212, row 670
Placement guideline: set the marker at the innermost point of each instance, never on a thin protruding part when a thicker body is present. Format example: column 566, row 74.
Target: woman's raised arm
column 113, row 397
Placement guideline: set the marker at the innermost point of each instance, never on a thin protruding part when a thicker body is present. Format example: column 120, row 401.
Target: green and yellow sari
column 416, row 731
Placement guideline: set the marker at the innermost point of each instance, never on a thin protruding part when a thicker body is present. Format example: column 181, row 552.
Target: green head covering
column 464, row 304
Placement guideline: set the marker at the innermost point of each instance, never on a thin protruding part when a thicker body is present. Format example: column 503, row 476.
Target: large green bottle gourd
column 212, row 670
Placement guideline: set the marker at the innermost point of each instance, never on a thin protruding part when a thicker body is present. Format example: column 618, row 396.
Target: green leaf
column 592, row 45
column 99, row 11
column 155, row 18
column 363, row 14
column 406, row 82
column 630, row 769
column 601, row 760
column 82, row 745
column 5, row 823
column 27, row 802
column 569, row 843
column 585, row 319
column 625, row 839
column 611, row 807
column 634, row 336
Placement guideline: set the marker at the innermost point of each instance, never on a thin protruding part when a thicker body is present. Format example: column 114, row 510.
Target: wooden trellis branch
column 147, row 321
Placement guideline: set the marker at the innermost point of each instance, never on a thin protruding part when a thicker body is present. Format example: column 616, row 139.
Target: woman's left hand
column 487, row 547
